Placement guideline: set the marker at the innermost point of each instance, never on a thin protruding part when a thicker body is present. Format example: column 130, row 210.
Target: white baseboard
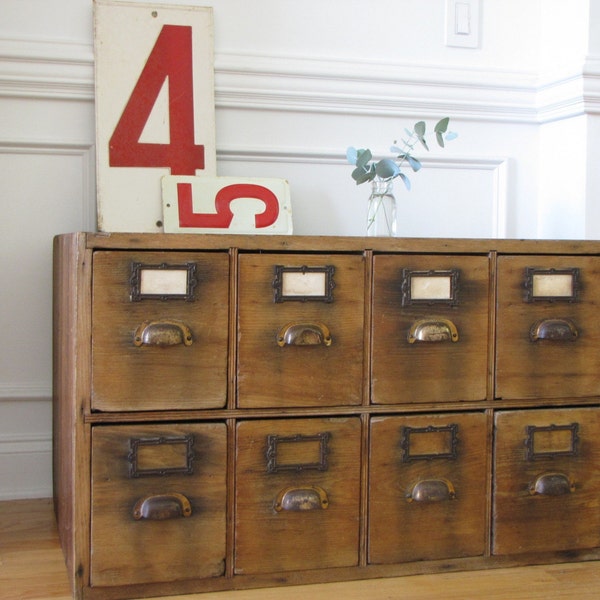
column 25, row 448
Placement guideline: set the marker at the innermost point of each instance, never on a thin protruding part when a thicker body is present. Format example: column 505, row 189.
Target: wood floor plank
column 32, row 568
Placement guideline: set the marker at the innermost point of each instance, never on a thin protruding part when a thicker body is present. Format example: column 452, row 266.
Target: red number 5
column 170, row 57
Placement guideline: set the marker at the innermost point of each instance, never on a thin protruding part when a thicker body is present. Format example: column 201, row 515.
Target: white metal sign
column 226, row 205
column 154, row 106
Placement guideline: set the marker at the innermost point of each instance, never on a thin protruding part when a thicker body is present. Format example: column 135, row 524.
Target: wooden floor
column 32, row 568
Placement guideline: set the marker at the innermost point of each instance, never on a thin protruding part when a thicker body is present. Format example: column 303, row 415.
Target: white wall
column 296, row 83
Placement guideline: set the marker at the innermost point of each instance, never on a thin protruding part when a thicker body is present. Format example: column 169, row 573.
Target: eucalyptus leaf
column 406, row 181
column 386, row 168
column 351, row 155
column 414, row 163
column 389, row 168
column 360, row 175
column 451, row 136
column 419, row 129
column 363, row 157
column 442, row 125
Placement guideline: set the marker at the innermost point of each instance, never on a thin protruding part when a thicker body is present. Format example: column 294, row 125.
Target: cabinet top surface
column 165, row 241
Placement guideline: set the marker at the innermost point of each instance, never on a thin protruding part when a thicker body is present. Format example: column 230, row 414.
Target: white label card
column 172, row 282
column 304, row 284
column 431, row 288
column 553, row 285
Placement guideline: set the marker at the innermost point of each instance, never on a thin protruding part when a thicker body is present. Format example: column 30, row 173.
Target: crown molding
column 42, row 69
column 50, row 69
column 367, row 88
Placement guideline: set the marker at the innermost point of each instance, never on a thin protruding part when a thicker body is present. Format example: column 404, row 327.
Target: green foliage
column 366, row 169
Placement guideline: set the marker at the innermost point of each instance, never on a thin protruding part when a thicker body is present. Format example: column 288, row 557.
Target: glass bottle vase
column 381, row 213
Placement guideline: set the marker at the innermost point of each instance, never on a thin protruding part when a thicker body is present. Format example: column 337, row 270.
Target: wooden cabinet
column 548, row 338
column 297, row 494
column 300, row 319
column 427, row 487
column 159, row 330
column 244, row 411
column 547, row 480
column 158, row 502
column 430, row 328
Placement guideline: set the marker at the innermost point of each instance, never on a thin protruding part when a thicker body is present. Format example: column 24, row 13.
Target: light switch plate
column 462, row 23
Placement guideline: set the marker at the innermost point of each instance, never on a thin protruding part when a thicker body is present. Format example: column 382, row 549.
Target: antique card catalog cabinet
column 246, row 411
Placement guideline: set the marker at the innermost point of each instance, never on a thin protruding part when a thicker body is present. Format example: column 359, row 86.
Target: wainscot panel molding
column 495, row 169
column 82, row 151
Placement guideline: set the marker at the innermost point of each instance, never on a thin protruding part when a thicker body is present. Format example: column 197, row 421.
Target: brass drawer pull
column 431, row 490
column 163, row 333
column 562, row 330
column 304, row 334
column 162, row 507
column 551, row 484
column 433, row 329
column 301, row 498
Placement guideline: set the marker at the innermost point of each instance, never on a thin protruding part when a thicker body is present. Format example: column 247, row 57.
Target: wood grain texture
column 270, row 392
column 32, row 568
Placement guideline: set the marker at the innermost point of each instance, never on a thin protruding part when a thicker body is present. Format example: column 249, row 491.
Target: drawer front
column 547, row 484
column 159, row 332
column 548, row 342
column 297, row 494
column 430, row 328
column 158, row 503
column 300, row 326
column 427, row 487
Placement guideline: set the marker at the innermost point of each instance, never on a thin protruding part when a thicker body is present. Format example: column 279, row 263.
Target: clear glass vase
column 381, row 213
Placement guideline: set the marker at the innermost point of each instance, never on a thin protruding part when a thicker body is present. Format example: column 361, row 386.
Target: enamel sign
column 154, row 107
column 226, row 205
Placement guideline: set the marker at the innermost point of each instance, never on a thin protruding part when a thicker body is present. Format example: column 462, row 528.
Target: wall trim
column 30, row 390
column 46, row 69
column 497, row 166
column 50, row 69
column 25, row 444
column 83, row 150
column 19, row 452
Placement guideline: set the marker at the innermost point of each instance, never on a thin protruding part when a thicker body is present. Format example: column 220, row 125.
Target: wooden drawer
column 300, row 326
column 427, row 487
column 430, row 328
column 297, row 494
column 547, row 480
column 158, row 503
column 159, row 330
column 548, row 341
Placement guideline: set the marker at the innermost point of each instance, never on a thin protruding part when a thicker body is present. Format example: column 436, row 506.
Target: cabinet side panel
column 71, row 278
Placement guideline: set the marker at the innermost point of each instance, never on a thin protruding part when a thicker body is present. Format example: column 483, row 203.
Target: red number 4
column 170, row 58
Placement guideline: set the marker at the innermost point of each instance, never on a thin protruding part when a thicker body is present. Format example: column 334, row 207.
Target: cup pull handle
column 301, row 498
column 163, row 333
column 561, row 330
column 551, row 484
column 304, row 334
column 431, row 490
column 433, row 329
column 162, row 507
